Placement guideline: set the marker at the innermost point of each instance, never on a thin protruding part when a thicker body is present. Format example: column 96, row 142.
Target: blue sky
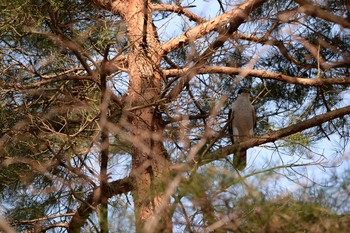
column 260, row 157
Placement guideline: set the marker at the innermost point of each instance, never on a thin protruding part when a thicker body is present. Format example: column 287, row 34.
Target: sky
column 261, row 157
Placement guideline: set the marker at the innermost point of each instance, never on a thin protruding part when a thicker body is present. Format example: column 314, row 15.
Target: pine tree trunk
column 150, row 165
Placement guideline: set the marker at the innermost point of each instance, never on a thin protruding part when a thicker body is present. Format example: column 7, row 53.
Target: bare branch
column 82, row 213
column 31, row 221
column 312, row 10
column 45, row 82
column 275, row 135
column 235, row 16
column 45, row 228
column 261, row 74
column 269, row 137
column 284, row 51
column 179, row 10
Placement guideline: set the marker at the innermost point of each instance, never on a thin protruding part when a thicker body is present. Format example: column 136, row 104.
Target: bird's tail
column 240, row 160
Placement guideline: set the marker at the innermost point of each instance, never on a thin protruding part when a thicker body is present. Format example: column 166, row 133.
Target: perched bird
column 241, row 126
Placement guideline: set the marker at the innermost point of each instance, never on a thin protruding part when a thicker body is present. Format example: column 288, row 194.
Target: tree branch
column 93, row 200
column 269, row 137
column 312, row 10
column 105, row 4
column 45, row 82
column 284, row 51
column 74, row 47
column 179, row 10
column 261, row 74
column 275, row 135
column 235, row 16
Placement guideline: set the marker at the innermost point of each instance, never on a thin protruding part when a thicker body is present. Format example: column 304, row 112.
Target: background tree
column 111, row 120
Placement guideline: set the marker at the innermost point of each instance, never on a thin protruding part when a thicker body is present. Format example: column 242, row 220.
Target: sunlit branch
column 235, row 18
column 179, row 10
column 74, row 70
column 237, row 15
column 275, row 135
column 269, row 137
column 263, row 74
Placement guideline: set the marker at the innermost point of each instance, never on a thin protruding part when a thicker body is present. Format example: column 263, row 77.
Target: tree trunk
column 150, row 165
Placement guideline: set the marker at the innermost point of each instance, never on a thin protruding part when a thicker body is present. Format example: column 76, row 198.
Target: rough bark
column 234, row 17
column 150, row 164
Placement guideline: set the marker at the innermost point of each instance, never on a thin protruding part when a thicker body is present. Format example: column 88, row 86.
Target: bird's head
column 243, row 90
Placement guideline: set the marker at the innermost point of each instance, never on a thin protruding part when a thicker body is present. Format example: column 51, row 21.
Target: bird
column 242, row 120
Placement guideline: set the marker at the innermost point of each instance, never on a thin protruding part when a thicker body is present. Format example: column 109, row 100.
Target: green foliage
column 290, row 215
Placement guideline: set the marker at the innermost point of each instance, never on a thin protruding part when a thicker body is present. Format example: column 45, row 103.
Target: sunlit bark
column 150, row 165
